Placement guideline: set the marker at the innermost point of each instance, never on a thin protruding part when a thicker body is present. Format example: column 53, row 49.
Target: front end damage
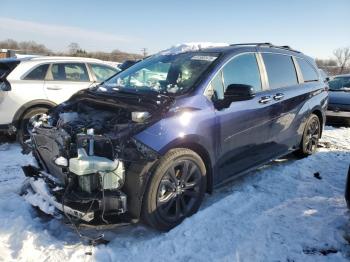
column 89, row 165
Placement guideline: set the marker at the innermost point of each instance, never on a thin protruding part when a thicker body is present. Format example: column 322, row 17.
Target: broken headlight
column 140, row 117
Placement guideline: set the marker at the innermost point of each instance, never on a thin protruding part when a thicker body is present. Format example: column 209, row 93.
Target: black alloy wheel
column 175, row 190
column 179, row 190
column 311, row 136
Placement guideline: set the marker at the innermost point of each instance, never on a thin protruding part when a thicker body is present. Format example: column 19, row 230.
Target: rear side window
column 69, row 72
column 308, row 71
column 102, row 72
column 280, row 70
column 244, row 70
column 37, row 73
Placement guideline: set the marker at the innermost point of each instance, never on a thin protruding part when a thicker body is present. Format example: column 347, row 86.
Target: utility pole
column 144, row 52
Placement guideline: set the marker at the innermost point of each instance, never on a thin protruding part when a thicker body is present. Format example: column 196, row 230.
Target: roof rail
column 257, row 44
column 286, row 47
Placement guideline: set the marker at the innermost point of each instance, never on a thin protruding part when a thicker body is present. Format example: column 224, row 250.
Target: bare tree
column 25, row 47
column 73, row 48
column 31, row 47
column 325, row 62
column 343, row 57
column 9, row 44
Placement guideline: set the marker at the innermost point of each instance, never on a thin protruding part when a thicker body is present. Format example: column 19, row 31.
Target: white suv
column 31, row 86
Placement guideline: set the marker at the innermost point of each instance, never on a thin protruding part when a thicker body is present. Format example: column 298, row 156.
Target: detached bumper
column 42, row 191
column 39, row 196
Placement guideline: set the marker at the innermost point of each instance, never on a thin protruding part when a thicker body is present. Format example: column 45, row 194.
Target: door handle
column 54, row 88
column 278, row 96
column 265, row 99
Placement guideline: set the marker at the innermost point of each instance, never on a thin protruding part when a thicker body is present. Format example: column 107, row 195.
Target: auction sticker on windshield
column 204, row 58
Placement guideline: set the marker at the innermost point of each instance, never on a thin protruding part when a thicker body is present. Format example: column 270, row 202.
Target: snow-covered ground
column 281, row 212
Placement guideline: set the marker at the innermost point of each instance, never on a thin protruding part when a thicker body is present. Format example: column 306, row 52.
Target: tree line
column 339, row 64
column 73, row 49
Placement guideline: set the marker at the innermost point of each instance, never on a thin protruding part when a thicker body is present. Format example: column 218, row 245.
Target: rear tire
column 176, row 189
column 23, row 132
column 311, row 135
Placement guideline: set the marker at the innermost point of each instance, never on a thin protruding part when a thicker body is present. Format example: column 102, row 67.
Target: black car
column 338, row 112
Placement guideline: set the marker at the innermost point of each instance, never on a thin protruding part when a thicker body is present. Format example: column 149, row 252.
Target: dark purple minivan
column 149, row 142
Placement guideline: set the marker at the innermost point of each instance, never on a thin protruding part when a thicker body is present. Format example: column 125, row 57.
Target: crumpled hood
column 339, row 97
column 132, row 102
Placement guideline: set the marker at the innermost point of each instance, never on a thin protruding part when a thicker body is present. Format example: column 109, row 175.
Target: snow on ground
column 280, row 212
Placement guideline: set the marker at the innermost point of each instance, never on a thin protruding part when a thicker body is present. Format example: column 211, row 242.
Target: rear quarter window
column 37, row 73
column 280, row 70
column 308, row 71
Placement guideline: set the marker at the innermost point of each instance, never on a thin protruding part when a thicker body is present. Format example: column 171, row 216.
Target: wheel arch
column 204, row 155
column 320, row 116
column 139, row 175
column 30, row 105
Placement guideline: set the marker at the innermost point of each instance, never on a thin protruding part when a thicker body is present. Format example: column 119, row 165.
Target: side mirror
column 239, row 92
column 235, row 92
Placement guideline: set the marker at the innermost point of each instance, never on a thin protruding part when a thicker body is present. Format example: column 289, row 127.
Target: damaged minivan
column 148, row 143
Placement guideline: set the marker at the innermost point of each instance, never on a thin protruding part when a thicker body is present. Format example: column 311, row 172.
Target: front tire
column 176, row 189
column 311, row 135
column 26, row 125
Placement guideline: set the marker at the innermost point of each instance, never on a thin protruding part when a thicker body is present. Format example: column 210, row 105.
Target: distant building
column 6, row 53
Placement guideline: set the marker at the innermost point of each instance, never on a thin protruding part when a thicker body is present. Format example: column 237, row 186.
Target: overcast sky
column 315, row 27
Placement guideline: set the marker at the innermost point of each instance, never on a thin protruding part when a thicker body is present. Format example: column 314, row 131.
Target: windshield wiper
column 344, row 89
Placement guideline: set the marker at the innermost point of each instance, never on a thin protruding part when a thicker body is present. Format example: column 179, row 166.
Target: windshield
column 339, row 83
column 168, row 74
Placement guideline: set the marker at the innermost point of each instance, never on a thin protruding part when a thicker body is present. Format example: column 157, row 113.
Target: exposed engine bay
column 88, row 159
